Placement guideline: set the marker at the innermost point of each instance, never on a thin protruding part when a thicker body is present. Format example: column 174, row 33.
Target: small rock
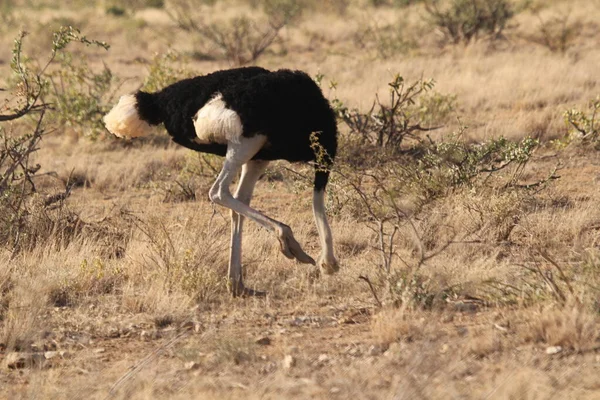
column 335, row 390
column 462, row 331
column 354, row 351
column 264, row 341
column 191, row 365
column 268, row 368
column 323, row 358
column 48, row 355
column 447, row 318
column 289, row 361
column 211, row 358
column 240, row 357
column 553, row 350
column 100, row 350
column 351, row 320
column 376, row 350
column 152, row 335
column 114, row 333
column 393, row 349
column 466, row 307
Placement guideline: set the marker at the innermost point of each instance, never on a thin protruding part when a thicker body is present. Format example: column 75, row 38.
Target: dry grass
column 136, row 294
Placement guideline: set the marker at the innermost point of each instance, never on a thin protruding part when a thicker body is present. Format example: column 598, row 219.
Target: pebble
column 553, row 350
column 289, row 361
column 264, row 341
column 191, row 365
column 48, row 355
column 393, row 349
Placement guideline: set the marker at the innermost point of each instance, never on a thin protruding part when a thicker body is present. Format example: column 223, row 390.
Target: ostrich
column 250, row 116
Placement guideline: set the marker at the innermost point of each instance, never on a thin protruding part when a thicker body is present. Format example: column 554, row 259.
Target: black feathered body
column 285, row 106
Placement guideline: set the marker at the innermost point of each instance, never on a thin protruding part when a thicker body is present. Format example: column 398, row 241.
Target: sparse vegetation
column 389, row 198
column 387, row 40
column 467, row 20
column 241, row 39
column 388, row 124
column 163, row 70
column 556, row 33
column 25, row 218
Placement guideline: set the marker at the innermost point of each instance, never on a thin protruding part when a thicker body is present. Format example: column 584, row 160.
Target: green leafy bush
column 80, row 95
column 434, row 108
column 583, row 126
column 165, row 69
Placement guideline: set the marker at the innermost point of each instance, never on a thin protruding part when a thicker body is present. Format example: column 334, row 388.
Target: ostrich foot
column 291, row 248
column 239, row 290
column 329, row 267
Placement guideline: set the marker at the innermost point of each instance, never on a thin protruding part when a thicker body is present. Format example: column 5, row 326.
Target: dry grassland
column 129, row 300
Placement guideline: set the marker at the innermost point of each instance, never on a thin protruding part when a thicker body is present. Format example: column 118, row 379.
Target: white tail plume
column 124, row 121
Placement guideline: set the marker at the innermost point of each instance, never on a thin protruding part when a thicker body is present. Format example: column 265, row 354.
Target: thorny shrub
column 390, row 199
column 387, row 40
column 388, row 123
column 389, row 188
column 556, row 33
column 26, row 217
column 466, row 20
column 241, row 39
column 390, row 195
column 119, row 8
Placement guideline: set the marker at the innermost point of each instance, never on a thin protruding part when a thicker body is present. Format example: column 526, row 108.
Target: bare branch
column 373, row 291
